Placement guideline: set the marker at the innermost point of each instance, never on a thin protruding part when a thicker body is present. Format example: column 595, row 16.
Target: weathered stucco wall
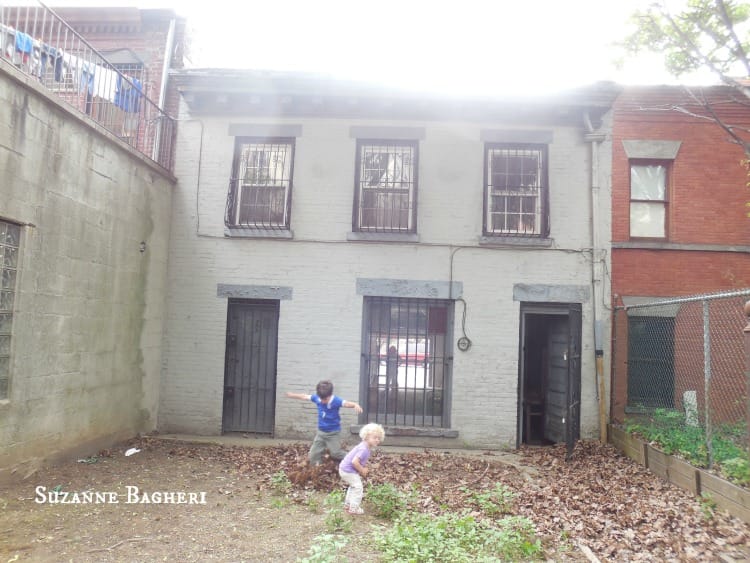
column 89, row 302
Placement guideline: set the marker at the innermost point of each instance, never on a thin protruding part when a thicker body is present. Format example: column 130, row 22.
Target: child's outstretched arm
column 351, row 405
column 300, row 396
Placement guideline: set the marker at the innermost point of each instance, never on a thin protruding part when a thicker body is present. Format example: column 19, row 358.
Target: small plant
column 337, row 521
column 498, row 500
column 279, row 502
column 708, row 505
column 325, row 549
column 280, row 483
column 313, row 503
column 334, row 498
column 387, row 501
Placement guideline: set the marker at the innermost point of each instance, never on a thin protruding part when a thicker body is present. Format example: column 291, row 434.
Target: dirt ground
column 598, row 506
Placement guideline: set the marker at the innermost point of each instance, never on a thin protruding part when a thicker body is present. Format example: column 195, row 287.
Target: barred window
column 648, row 200
column 386, row 187
column 10, row 235
column 515, row 190
column 261, row 188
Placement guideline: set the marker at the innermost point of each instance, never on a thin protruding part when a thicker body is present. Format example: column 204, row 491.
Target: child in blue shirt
column 328, row 435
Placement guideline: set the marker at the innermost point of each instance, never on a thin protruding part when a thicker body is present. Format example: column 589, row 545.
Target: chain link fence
column 680, row 374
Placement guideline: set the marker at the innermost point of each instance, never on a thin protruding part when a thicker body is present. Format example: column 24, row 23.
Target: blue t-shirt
column 329, row 419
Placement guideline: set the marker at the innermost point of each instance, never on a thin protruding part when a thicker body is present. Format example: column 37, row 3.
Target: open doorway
column 549, row 377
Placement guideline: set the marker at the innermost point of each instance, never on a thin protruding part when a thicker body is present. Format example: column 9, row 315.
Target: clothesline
column 101, row 81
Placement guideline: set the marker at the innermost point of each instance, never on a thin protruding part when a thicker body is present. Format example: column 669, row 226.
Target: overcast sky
column 453, row 46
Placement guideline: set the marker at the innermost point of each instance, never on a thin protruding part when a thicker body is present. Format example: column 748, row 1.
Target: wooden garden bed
column 726, row 495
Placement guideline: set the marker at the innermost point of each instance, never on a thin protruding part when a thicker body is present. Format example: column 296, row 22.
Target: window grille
column 260, row 191
column 407, row 360
column 386, row 187
column 515, row 190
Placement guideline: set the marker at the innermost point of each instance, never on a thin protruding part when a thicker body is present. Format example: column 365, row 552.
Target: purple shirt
column 361, row 451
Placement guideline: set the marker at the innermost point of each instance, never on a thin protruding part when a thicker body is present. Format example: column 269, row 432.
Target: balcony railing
column 35, row 40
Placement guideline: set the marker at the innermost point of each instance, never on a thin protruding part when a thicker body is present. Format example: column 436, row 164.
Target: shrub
column 387, row 501
column 280, row 483
column 498, row 500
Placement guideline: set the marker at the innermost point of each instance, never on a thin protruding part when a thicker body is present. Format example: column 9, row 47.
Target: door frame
column 573, row 311
column 272, row 305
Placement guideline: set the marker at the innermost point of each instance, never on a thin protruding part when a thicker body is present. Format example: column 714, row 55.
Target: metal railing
column 35, row 40
column 679, row 371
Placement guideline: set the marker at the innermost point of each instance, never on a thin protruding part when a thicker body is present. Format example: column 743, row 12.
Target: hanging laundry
column 55, row 58
column 128, row 94
column 105, row 83
column 24, row 42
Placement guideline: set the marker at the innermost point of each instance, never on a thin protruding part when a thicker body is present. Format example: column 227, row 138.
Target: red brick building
column 679, row 227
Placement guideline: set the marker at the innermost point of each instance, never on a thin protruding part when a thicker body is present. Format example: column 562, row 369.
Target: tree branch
column 738, row 49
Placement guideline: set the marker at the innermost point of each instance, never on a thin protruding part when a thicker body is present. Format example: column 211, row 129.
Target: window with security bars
column 10, row 235
column 407, row 361
column 386, row 187
column 651, row 371
column 648, row 199
column 515, row 190
column 261, row 187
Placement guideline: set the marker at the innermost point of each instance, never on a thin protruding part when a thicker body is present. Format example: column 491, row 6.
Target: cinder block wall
column 89, row 305
column 320, row 327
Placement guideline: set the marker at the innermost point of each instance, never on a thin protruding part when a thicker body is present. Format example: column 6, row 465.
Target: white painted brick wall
column 320, row 327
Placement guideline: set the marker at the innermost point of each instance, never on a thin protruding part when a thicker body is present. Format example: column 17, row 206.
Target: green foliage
column 338, row 521
column 458, row 538
column 705, row 34
column 334, row 498
column 387, row 501
column 280, row 483
column 708, row 505
column 498, row 500
column 737, row 470
column 669, row 429
column 312, row 503
column 280, row 502
column 325, row 549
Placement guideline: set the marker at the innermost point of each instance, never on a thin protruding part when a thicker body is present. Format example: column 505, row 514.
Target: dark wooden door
column 250, row 368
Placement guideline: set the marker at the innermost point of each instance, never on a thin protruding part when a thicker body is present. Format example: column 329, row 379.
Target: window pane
column 5, row 323
column 647, row 219
column 8, row 279
column 6, row 300
column 648, row 182
column 4, row 345
column 385, row 195
column 515, row 189
column 10, row 259
column 263, row 184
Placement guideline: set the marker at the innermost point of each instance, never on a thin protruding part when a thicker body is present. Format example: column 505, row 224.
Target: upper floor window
column 386, row 186
column 648, row 200
column 10, row 235
column 260, row 191
column 515, row 190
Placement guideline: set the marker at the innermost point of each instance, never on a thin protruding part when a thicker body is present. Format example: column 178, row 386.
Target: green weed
column 280, row 483
column 387, row 501
column 338, row 521
column 325, row 549
column 498, row 500
column 458, row 538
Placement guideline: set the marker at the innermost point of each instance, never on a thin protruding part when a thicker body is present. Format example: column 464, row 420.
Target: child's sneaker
column 355, row 510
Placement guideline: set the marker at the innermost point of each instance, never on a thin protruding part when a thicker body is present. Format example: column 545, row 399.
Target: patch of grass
column 325, row 549
column 458, row 538
column 338, row 521
column 498, row 500
column 387, row 501
column 280, row 483
column 708, row 505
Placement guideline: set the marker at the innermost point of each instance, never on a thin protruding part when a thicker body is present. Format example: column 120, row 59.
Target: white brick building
column 318, row 225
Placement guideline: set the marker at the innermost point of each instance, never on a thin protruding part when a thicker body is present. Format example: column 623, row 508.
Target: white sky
column 452, row 46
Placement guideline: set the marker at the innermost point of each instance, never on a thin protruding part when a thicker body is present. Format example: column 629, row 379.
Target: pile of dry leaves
column 599, row 502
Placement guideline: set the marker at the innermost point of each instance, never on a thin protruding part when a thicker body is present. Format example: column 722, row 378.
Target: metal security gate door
column 563, row 390
column 250, row 369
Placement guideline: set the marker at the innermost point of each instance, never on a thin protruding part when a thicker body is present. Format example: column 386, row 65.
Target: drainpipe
column 168, row 50
column 595, row 138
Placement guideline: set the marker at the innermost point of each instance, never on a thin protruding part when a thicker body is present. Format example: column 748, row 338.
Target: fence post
column 707, row 382
column 746, row 330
